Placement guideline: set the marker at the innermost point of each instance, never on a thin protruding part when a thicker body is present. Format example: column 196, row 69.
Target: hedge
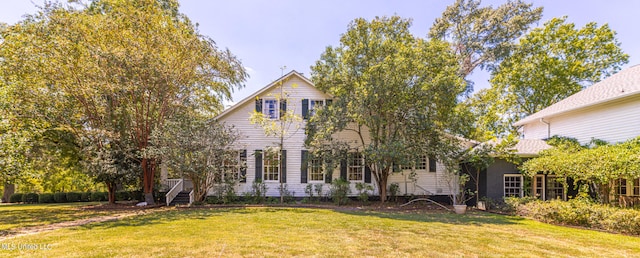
column 583, row 212
column 85, row 197
column 60, row 197
column 30, row 198
column 98, row 196
column 45, row 198
column 15, row 198
column 73, row 197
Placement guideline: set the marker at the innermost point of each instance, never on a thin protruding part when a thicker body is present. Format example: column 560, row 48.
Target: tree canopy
column 120, row 66
column 395, row 89
column 547, row 65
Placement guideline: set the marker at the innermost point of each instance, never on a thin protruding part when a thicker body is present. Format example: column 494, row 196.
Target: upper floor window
column 314, row 105
column 271, row 108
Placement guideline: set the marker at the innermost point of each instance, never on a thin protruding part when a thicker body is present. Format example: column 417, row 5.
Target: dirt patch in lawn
column 125, row 210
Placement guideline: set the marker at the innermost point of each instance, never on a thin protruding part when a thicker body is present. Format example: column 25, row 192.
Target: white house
column 303, row 98
column 608, row 110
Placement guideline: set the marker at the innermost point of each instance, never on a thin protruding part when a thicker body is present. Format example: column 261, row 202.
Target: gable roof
column 620, row 85
column 264, row 89
column 524, row 147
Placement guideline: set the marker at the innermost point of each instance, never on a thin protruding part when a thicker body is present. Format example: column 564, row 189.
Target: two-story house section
column 302, row 97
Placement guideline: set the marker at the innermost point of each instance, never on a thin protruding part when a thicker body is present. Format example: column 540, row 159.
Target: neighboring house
column 608, row 110
column 300, row 169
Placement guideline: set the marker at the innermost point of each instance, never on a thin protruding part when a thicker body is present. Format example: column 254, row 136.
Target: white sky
column 267, row 35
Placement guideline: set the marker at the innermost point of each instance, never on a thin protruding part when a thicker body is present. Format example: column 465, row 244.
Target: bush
column 583, row 212
column 60, row 197
column 123, row 196
column 15, row 198
column 30, row 198
column 99, row 196
column 340, row 191
column 85, row 197
column 46, row 198
column 258, row 192
column 136, row 196
column 394, row 189
column 74, row 197
column 363, row 192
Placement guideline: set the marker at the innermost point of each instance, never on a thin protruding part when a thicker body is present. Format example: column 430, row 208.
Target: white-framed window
column 355, row 167
column 271, row 109
column 621, row 186
column 271, row 166
column 315, row 169
column 315, row 105
column 420, row 163
column 512, row 185
column 232, row 166
column 555, row 189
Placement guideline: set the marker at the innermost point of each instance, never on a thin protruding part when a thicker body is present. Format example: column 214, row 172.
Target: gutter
column 548, row 127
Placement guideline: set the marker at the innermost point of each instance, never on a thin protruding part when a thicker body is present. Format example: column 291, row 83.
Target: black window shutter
column 283, row 107
column 305, row 108
column 258, row 165
column 367, row 174
column 283, row 160
column 343, row 169
column 259, row 105
column 304, row 167
column 243, row 166
column 432, row 163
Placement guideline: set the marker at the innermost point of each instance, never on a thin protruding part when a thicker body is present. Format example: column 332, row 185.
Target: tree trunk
column 111, row 187
column 148, row 175
column 9, row 189
column 382, row 185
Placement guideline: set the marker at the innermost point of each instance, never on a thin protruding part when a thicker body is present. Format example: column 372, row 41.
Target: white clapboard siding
column 614, row 121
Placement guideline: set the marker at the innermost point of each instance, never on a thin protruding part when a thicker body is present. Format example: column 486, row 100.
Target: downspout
column 548, row 127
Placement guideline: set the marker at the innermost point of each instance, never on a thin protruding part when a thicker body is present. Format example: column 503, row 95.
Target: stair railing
column 175, row 190
column 191, row 197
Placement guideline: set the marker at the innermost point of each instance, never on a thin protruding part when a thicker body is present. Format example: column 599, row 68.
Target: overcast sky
column 269, row 35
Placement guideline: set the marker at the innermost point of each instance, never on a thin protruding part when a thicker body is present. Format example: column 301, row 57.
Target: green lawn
column 14, row 216
column 309, row 232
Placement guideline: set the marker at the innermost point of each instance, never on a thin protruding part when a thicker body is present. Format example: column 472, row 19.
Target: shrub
column 318, row 189
column 74, row 197
column 30, row 198
column 15, row 198
column 123, row 196
column 85, row 197
column 46, row 198
column 60, row 197
column 258, row 192
column 583, row 212
column 136, row 195
column 287, row 196
column 98, row 196
column 394, row 189
column 340, row 191
column 363, row 192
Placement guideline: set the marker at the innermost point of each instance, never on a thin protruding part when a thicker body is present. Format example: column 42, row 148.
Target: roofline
column 265, row 88
column 527, row 119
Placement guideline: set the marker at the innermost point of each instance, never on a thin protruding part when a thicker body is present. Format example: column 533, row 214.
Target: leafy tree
column 549, row 64
column 287, row 124
column 599, row 166
column 203, row 150
column 482, row 36
column 142, row 59
column 393, row 91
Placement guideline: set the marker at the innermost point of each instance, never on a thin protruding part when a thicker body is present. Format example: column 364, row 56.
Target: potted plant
column 456, row 182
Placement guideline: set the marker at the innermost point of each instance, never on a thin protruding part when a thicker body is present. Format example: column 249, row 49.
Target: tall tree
column 482, row 36
column 549, row 64
column 393, row 90
column 143, row 58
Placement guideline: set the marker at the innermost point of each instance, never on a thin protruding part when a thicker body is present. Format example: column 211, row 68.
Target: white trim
column 504, row 187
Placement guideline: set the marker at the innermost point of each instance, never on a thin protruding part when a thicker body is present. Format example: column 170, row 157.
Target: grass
column 312, row 232
column 14, row 216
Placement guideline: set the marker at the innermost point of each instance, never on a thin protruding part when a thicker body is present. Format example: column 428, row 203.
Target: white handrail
column 175, row 190
column 172, row 182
